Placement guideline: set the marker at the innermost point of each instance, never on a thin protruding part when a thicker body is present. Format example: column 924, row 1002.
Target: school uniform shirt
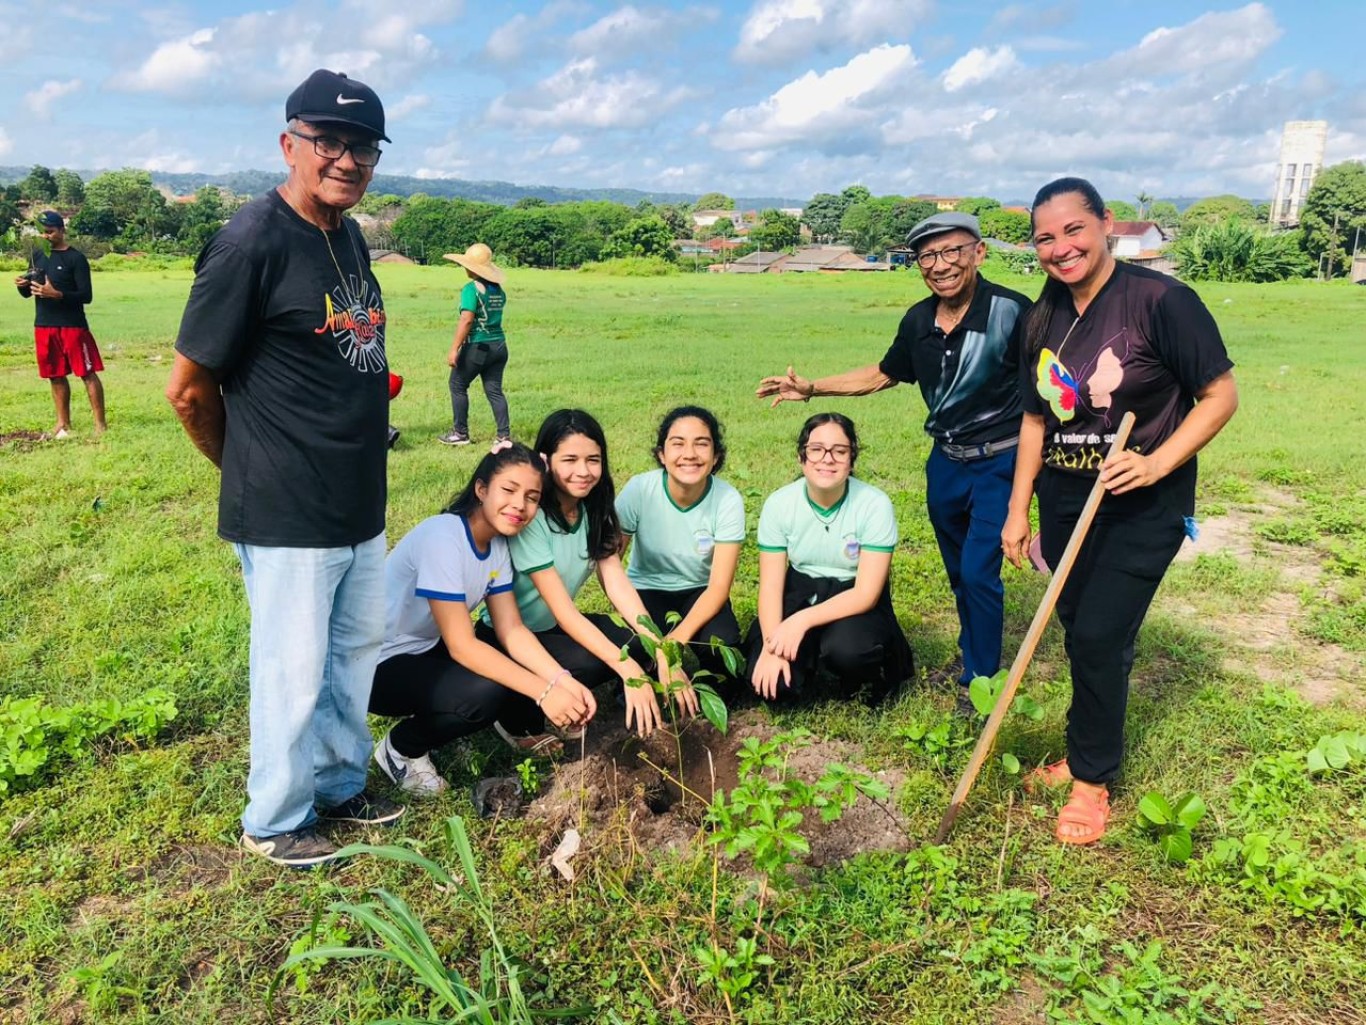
column 439, row 560
column 542, row 545
column 827, row 542
column 1146, row 343
column 673, row 545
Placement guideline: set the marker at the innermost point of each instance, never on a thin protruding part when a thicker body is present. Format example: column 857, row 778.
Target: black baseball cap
column 329, row 97
column 51, row 219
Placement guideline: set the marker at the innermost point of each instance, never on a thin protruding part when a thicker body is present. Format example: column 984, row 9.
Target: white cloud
column 629, row 29
column 6, row 143
column 563, row 146
column 577, row 96
column 508, row 40
column 1213, row 39
column 40, row 100
column 777, row 31
column 524, row 34
column 978, row 65
column 173, row 65
column 405, row 106
column 815, row 104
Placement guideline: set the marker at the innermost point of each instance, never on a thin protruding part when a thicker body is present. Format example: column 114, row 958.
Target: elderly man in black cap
column 58, row 281
column 281, row 380
column 961, row 345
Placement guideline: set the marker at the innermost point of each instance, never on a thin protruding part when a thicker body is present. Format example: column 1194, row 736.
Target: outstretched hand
column 785, row 388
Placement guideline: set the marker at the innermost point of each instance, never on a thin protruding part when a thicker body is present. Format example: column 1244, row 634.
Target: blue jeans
column 317, row 622
column 967, row 506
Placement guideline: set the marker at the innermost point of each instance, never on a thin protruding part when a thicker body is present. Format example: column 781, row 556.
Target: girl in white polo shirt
column 574, row 535
column 434, row 672
column 825, row 554
column 687, row 526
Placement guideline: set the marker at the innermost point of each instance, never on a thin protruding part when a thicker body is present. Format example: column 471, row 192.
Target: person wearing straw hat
column 479, row 349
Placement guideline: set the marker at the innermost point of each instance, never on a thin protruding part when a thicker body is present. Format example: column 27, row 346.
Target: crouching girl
column 825, row 554
column 434, row 673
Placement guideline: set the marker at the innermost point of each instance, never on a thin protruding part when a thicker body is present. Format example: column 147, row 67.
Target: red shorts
column 66, row 350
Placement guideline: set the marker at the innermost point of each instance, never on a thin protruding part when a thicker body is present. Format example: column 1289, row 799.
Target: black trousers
column 1133, row 539
column 582, row 664
column 865, row 649
column 722, row 626
column 439, row 700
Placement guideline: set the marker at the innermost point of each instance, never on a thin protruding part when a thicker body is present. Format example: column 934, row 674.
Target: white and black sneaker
column 453, row 437
column 364, row 808
column 416, row 776
column 301, row 848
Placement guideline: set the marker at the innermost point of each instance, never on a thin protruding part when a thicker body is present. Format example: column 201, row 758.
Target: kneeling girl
column 574, row 535
column 434, row 672
column 687, row 527
column 825, row 555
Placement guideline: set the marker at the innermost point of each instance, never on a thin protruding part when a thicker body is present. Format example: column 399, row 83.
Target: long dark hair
column 844, row 423
column 718, row 443
column 1055, row 296
column 489, row 467
column 600, row 505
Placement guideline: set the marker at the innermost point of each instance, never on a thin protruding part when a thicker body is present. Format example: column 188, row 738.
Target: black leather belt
column 967, row 453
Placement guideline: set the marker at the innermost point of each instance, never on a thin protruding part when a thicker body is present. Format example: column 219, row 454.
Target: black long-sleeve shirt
column 69, row 272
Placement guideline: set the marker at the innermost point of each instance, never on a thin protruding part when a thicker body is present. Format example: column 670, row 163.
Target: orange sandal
column 1048, row 776
column 1088, row 807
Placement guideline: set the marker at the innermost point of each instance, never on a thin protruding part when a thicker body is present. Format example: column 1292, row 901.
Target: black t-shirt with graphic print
column 968, row 377
column 1146, row 343
column 292, row 323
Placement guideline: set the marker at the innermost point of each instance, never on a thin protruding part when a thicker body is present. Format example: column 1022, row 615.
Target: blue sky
column 767, row 97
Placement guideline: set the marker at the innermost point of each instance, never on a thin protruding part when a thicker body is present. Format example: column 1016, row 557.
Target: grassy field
column 127, row 902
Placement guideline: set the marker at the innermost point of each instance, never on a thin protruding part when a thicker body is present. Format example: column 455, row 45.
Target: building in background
column 1302, row 144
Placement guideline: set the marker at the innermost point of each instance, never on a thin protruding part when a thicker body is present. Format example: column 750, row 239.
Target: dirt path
column 1267, row 642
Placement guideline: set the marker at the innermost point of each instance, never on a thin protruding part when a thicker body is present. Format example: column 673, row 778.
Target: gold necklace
column 351, row 296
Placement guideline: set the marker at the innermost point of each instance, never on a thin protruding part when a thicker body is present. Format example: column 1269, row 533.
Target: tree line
column 1218, row 238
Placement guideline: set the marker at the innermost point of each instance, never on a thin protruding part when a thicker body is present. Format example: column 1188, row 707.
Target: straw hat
column 478, row 260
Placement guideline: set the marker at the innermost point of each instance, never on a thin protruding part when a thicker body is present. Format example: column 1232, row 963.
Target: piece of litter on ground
column 569, row 847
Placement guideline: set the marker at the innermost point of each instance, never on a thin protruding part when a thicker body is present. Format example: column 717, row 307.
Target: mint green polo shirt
column 827, row 542
column 487, row 306
column 542, row 545
column 672, row 547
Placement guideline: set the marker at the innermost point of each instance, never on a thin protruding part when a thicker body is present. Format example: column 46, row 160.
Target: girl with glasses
column 825, row 555
column 686, row 527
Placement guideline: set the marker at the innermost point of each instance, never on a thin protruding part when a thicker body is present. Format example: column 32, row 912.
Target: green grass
column 126, row 901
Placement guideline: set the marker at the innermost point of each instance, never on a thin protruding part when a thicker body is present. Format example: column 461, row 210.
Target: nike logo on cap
column 342, row 100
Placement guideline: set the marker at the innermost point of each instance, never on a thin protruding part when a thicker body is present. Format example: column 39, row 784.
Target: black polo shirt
column 969, row 377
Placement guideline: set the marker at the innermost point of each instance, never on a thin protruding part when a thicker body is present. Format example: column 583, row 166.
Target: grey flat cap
column 939, row 224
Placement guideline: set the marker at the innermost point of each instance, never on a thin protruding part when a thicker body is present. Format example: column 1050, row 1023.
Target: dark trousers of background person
column 440, row 700
column 722, row 626
column 1133, row 539
column 966, row 501
column 865, row 649
column 487, row 363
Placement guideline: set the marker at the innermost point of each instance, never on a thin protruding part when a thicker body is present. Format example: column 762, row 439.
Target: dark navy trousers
column 967, row 506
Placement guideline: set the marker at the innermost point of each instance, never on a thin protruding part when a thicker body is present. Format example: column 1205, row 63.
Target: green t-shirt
column 542, row 545
column 827, row 542
column 673, row 546
column 487, row 306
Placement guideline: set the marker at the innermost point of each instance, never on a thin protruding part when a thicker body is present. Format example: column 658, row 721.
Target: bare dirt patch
column 22, row 439
column 622, row 779
column 1265, row 642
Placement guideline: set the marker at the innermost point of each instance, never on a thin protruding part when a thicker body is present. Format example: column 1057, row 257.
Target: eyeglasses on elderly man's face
column 329, row 147
column 951, row 255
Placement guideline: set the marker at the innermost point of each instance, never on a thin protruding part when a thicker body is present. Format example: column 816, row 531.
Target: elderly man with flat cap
column 960, row 344
column 281, row 380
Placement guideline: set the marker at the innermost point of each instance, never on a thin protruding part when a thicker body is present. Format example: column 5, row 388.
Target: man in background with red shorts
column 59, row 283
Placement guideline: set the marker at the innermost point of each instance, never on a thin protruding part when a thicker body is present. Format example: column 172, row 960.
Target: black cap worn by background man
column 329, row 97
column 942, row 224
column 51, row 219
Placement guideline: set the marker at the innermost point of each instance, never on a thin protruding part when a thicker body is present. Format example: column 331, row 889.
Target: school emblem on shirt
column 703, row 543
column 851, row 547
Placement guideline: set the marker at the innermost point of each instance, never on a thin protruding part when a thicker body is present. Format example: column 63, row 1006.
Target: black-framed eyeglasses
column 837, row 453
column 329, row 147
column 951, row 255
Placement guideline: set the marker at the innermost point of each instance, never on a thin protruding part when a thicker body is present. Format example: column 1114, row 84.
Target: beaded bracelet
column 551, row 686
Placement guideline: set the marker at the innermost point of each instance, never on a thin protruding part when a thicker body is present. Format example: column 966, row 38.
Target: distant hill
column 253, row 183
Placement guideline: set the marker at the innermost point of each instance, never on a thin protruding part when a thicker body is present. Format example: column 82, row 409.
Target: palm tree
column 1144, row 201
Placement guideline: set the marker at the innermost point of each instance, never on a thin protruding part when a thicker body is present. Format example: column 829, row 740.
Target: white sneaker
column 417, row 776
